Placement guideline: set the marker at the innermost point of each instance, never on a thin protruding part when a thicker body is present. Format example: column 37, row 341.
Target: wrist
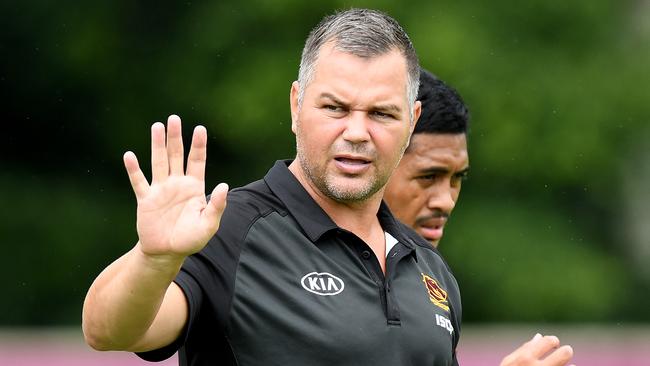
column 162, row 263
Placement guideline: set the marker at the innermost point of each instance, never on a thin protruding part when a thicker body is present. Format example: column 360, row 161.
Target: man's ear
column 417, row 111
column 293, row 101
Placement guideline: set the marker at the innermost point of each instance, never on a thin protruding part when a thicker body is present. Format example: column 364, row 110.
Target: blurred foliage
column 559, row 101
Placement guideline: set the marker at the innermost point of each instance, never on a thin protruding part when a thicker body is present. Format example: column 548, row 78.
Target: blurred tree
column 548, row 227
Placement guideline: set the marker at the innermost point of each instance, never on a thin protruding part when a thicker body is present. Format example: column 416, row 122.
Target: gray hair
column 364, row 33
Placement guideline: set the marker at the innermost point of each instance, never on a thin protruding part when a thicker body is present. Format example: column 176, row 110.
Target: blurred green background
column 552, row 226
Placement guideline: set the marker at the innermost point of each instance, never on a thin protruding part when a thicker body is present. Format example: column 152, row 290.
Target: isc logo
column 445, row 323
column 324, row 284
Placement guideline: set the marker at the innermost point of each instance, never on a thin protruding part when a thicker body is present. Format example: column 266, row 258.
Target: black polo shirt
column 281, row 284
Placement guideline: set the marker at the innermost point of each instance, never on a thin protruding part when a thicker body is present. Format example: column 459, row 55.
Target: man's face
column 425, row 186
column 353, row 125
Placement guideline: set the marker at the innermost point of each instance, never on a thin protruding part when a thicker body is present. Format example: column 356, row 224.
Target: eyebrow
column 331, row 97
column 390, row 108
column 440, row 170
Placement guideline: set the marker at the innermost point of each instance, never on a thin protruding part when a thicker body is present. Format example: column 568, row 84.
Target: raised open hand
column 174, row 219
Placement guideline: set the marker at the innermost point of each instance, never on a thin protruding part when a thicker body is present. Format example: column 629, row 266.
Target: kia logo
column 324, row 284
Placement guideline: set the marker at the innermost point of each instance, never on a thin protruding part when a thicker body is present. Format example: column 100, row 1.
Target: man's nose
column 442, row 198
column 356, row 129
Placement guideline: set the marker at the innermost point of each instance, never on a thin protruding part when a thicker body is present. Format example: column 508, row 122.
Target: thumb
column 211, row 215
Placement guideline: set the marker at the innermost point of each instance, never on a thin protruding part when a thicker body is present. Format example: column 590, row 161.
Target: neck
column 358, row 217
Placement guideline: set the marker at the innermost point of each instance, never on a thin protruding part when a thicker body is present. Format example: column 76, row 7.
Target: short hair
column 443, row 110
column 364, row 33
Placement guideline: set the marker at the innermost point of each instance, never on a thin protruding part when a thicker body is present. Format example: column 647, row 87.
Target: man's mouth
column 351, row 164
column 352, row 160
column 431, row 233
column 432, row 228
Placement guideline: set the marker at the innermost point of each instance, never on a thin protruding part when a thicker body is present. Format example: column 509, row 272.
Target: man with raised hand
column 308, row 266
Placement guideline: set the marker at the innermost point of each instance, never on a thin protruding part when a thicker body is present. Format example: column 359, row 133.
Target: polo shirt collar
column 309, row 215
column 390, row 224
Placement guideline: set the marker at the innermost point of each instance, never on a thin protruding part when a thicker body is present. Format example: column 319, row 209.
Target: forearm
column 133, row 304
column 123, row 301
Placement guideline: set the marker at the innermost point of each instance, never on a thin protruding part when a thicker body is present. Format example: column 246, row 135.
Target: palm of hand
column 169, row 217
column 174, row 219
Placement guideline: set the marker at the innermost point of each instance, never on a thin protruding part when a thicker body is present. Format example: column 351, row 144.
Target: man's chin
column 432, row 235
column 351, row 189
column 433, row 242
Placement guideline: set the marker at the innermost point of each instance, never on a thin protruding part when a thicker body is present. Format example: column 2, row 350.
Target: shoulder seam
column 252, row 222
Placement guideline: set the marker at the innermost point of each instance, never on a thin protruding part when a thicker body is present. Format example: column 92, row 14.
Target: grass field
column 594, row 345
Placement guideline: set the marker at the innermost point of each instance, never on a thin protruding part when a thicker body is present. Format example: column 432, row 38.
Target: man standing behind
column 308, row 266
column 426, row 184
column 423, row 190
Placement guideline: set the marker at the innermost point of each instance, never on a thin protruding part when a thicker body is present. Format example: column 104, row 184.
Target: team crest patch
column 437, row 294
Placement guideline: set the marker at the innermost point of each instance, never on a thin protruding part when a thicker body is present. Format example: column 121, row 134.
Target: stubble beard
column 339, row 192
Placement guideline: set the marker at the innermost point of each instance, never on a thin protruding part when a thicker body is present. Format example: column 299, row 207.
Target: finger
column 528, row 345
column 211, row 215
column 136, row 177
column 524, row 351
column 531, row 341
column 159, row 163
column 198, row 153
column 543, row 345
column 175, row 145
column 559, row 357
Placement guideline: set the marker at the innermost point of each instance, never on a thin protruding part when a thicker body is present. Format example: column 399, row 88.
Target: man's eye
column 429, row 177
column 462, row 175
column 382, row 115
column 333, row 108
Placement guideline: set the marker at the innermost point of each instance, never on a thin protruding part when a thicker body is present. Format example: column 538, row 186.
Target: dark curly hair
column 443, row 110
